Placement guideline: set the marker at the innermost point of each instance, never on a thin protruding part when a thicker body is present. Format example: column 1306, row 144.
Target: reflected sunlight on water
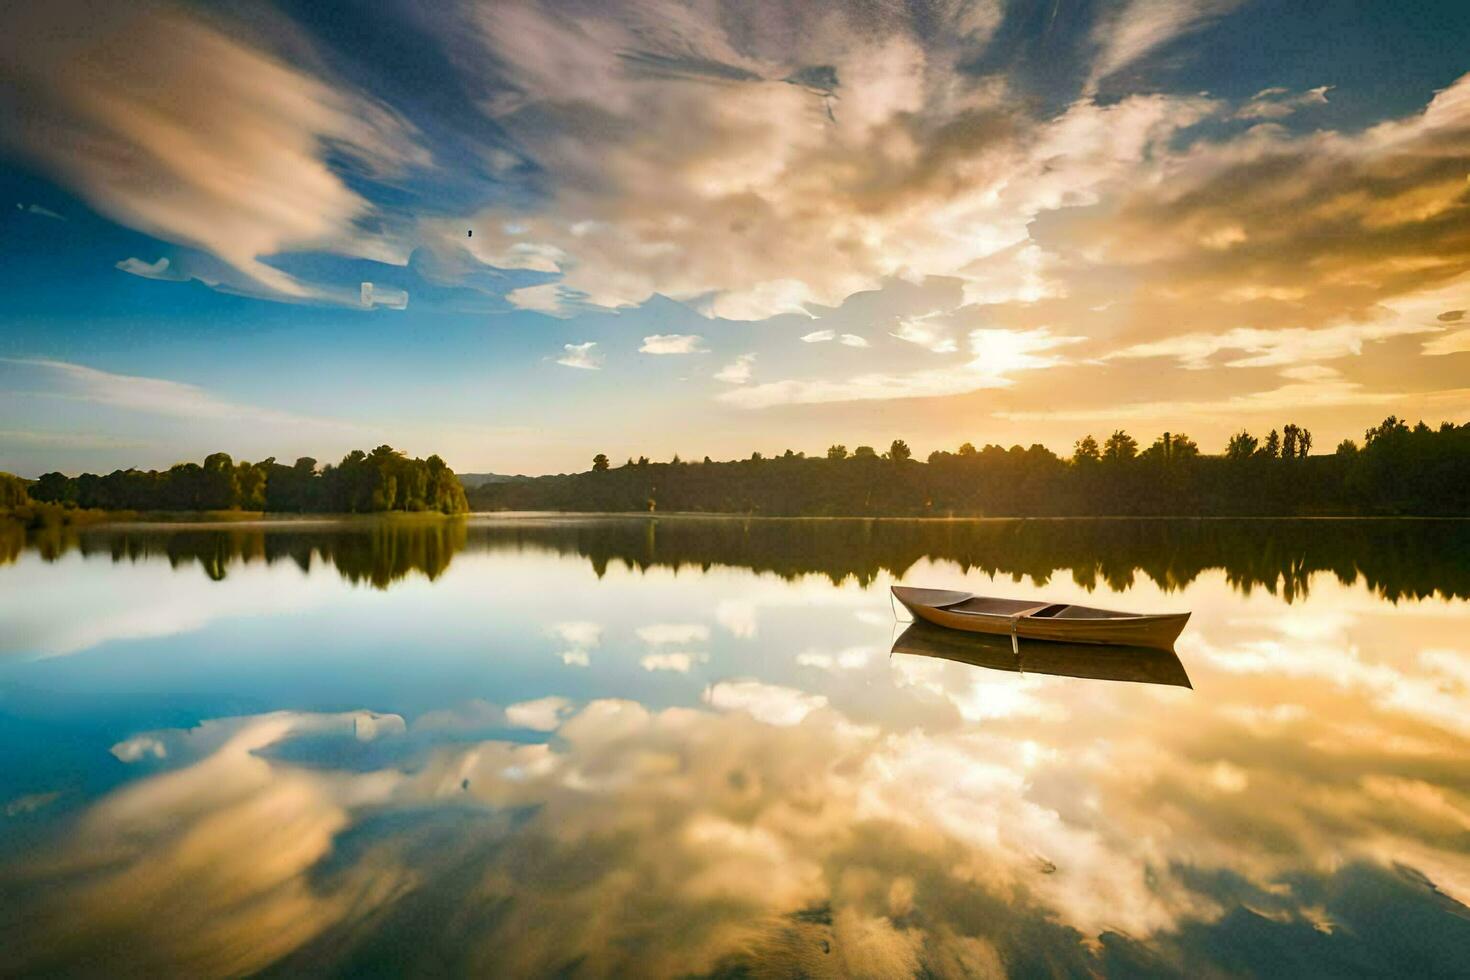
column 684, row 747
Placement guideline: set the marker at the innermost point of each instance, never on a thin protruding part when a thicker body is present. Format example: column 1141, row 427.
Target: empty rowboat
column 1034, row 620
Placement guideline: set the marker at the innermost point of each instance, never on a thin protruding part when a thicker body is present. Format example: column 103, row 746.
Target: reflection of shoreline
column 1396, row 558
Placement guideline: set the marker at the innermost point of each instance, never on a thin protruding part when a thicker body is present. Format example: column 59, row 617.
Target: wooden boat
column 1028, row 619
column 1140, row 665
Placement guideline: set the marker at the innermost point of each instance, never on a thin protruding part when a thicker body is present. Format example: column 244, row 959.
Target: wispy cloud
column 39, row 211
column 672, row 343
column 175, row 126
column 819, row 336
column 1140, row 27
column 1278, row 103
column 546, row 298
column 580, row 356
column 995, row 356
column 1272, row 348
column 155, row 396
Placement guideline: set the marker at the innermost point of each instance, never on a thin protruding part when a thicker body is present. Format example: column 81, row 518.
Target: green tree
column 837, row 451
column 599, row 463
column 865, row 452
column 899, row 451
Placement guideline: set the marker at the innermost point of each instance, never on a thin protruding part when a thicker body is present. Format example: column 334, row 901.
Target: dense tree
column 1399, row 471
column 838, row 451
column 1120, row 447
column 1242, row 445
column 899, row 451
column 383, row 480
column 1085, row 450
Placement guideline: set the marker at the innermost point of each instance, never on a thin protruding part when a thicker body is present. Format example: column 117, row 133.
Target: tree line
column 363, row 482
column 1397, row 470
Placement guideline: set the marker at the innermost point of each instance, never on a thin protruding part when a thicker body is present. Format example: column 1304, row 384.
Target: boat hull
column 1108, row 629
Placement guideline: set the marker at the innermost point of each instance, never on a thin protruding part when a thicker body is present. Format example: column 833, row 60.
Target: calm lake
column 582, row 746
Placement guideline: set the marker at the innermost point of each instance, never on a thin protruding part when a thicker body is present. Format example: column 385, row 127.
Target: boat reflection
column 1142, row 665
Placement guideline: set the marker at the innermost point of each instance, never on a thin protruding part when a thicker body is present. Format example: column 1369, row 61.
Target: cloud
column 149, row 270
column 771, row 704
column 1272, row 348
column 659, row 634
column 819, row 336
column 176, row 125
column 678, row 663
column 1141, row 27
column 580, row 356
column 371, row 295
column 548, row 298
column 1326, row 393
column 1451, row 343
column 672, row 343
column 918, row 331
column 39, row 211
column 995, row 355
column 1278, row 103
column 853, row 340
column 581, row 637
column 745, row 194
column 155, row 396
column 542, row 715
column 738, row 371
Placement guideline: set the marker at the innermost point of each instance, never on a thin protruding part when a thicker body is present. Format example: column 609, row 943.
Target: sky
column 521, row 232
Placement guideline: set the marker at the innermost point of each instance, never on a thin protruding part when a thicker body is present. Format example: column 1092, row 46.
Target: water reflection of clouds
column 657, row 842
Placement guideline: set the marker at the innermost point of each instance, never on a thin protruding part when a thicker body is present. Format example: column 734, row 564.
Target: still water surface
column 619, row 746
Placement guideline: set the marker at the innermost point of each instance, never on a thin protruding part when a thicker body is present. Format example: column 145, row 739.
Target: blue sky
column 712, row 228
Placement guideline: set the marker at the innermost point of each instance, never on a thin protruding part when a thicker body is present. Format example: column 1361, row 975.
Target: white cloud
column 819, row 336
column 738, row 371
column 659, row 634
column 388, row 297
column 916, row 330
column 853, row 340
column 677, row 662
column 148, row 270
column 581, row 636
column 1278, row 103
column 580, row 356
column 542, row 714
column 672, row 343
column 768, row 703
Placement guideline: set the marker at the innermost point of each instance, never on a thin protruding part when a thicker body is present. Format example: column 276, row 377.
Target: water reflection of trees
column 373, row 552
column 1396, row 558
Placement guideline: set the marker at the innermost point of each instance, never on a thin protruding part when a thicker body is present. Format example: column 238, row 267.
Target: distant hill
column 472, row 480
